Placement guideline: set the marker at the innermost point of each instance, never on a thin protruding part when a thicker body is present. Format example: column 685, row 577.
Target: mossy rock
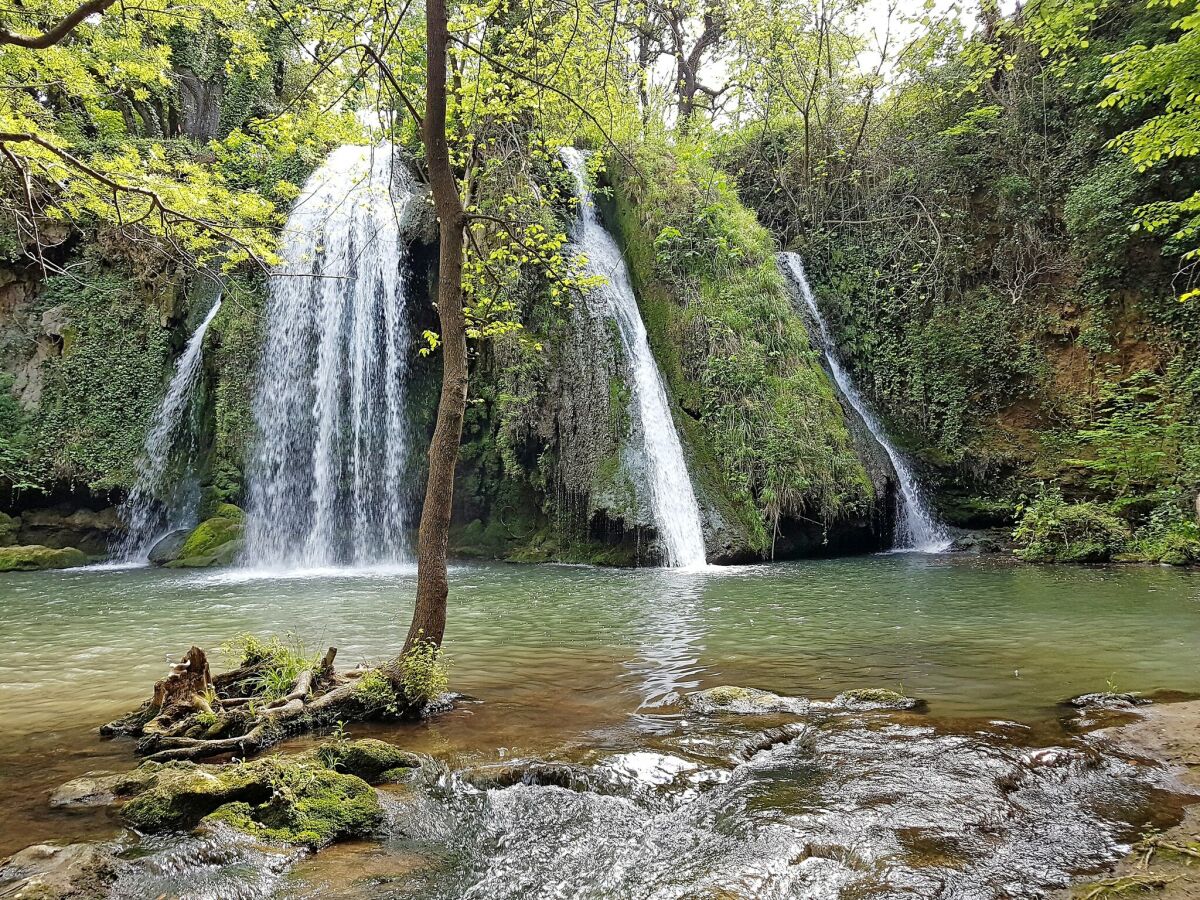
column 36, row 558
column 224, row 555
column 229, row 511
column 211, row 534
column 372, row 760
column 181, row 794
column 313, row 807
column 744, row 701
column 292, row 800
column 876, row 698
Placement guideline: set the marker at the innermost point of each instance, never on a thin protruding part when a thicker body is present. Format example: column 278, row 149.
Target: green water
column 562, row 654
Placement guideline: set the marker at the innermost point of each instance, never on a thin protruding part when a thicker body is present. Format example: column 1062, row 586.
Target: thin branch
column 156, row 202
column 59, row 31
column 552, row 89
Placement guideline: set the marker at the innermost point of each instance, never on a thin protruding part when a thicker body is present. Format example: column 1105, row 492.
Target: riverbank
column 1167, row 863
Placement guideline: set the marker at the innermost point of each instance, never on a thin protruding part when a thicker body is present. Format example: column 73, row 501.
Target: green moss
column 34, row 558
column 8, row 530
column 310, row 807
column 735, row 352
column 371, row 760
column 210, row 535
column 100, row 393
column 292, row 800
column 237, row 331
column 229, row 511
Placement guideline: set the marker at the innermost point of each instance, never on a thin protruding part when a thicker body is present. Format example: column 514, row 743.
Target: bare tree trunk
column 429, row 614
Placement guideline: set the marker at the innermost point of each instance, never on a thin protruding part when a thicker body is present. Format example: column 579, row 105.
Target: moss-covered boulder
column 292, row 800
column 876, row 698
column 35, row 558
column 310, row 799
column 211, row 534
column 371, row 760
column 214, row 542
column 311, row 806
column 744, row 701
column 230, row 512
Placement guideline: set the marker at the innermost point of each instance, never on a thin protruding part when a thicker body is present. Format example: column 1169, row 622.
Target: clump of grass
column 377, row 693
column 284, row 661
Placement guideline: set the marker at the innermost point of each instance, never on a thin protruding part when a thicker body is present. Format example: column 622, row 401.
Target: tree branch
column 59, row 31
column 157, row 204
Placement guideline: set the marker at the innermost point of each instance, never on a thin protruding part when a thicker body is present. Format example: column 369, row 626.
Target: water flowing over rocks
column 664, row 472
column 166, row 493
column 330, row 480
column 917, row 526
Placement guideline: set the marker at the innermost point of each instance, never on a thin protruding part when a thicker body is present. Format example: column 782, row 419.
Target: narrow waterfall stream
column 163, row 499
column 327, row 483
column 672, row 498
column 917, row 526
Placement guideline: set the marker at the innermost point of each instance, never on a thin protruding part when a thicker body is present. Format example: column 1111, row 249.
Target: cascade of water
column 327, row 482
column 917, row 527
column 159, row 503
column 672, row 499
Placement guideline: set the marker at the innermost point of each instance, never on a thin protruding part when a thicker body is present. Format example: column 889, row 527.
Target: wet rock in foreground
column 52, row 872
column 311, row 799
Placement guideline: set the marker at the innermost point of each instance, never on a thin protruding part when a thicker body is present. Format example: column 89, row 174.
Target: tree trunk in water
column 429, row 614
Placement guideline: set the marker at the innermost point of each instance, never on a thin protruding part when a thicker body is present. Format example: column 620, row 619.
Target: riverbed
column 589, row 667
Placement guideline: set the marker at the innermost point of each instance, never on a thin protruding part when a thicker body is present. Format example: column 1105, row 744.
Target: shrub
column 426, row 672
column 1052, row 530
column 1170, row 536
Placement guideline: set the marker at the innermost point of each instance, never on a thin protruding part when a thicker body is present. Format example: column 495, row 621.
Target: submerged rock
column 36, row 558
column 103, row 788
column 773, row 737
column 744, row 701
column 876, row 698
column 53, row 872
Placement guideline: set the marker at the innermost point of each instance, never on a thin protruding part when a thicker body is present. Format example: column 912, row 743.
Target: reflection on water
column 588, row 665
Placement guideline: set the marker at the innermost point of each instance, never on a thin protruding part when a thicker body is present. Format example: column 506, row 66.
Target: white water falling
column 327, row 483
column 917, row 528
column 672, row 499
column 163, row 500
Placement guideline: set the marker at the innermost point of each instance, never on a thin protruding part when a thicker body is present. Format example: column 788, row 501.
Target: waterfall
column 672, row 499
column 327, row 482
column 917, row 527
column 158, row 502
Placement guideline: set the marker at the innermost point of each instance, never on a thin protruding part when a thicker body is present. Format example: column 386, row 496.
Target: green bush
column 1053, row 530
column 1170, row 536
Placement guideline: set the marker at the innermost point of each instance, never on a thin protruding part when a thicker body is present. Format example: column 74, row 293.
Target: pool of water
column 588, row 665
